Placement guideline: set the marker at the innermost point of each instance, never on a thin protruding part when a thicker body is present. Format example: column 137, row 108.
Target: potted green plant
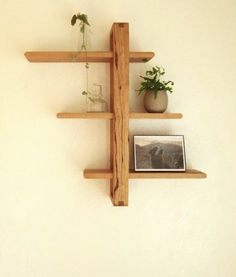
column 155, row 89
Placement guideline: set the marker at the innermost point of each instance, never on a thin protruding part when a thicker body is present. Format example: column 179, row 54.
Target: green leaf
column 146, row 78
column 73, row 20
column 83, row 18
column 153, row 83
column 149, row 73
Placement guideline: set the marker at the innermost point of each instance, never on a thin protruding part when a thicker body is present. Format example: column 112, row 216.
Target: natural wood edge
column 68, row 56
column 119, row 94
column 135, row 57
column 98, row 174
column 155, row 116
column 124, row 204
column 85, row 115
column 91, row 56
column 188, row 174
column 27, row 55
column 107, row 174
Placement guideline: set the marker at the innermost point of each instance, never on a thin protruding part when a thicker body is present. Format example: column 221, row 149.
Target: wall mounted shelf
column 96, row 57
column 119, row 58
column 95, row 115
column 85, row 115
column 107, row 174
column 155, row 115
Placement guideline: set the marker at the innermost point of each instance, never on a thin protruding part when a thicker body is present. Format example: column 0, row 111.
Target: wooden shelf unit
column 119, row 58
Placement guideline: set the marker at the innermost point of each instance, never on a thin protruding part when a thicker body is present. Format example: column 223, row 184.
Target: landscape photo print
column 159, row 153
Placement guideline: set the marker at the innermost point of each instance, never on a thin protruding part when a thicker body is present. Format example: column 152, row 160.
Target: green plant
column 152, row 82
column 83, row 19
column 83, row 24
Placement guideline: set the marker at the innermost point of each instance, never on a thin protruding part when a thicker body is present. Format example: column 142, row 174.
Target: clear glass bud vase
column 95, row 100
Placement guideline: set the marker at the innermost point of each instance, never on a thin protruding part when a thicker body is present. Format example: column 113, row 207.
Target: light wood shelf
column 107, row 174
column 97, row 115
column 119, row 56
column 98, row 174
column 188, row 174
column 85, row 115
column 155, row 115
column 95, row 56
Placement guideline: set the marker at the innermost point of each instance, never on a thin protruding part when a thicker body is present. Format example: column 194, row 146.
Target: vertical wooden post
column 119, row 41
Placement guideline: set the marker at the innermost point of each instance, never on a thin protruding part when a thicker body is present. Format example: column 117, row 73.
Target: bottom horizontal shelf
column 107, row 174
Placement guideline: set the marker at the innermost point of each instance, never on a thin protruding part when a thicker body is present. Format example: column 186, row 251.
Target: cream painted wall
column 55, row 223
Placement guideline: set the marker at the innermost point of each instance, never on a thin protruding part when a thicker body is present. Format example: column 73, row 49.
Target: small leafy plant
column 152, row 82
column 83, row 19
column 83, row 24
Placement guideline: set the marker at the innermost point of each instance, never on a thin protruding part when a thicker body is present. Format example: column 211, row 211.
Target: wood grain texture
column 107, row 174
column 120, row 108
column 85, row 115
column 68, row 56
column 98, row 174
column 106, row 115
column 97, row 57
column 111, row 122
column 188, row 174
column 155, row 115
column 139, row 57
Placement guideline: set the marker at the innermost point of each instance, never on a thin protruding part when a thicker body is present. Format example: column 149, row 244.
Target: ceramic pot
column 158, row 104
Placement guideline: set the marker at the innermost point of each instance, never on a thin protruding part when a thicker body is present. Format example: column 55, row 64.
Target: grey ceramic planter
column 156, row 105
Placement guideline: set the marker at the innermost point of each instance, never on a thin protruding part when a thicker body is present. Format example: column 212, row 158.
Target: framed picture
column 159, row 153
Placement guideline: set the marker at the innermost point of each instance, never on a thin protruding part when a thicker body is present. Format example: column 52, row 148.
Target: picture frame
column 159, row 153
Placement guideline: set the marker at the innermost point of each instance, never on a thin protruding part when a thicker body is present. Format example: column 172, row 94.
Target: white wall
column 55, row 223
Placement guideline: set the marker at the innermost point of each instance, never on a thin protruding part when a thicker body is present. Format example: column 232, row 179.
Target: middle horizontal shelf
column 97, row 115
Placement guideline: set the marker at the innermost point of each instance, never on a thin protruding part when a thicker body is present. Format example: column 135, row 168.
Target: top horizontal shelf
column 97, row 57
